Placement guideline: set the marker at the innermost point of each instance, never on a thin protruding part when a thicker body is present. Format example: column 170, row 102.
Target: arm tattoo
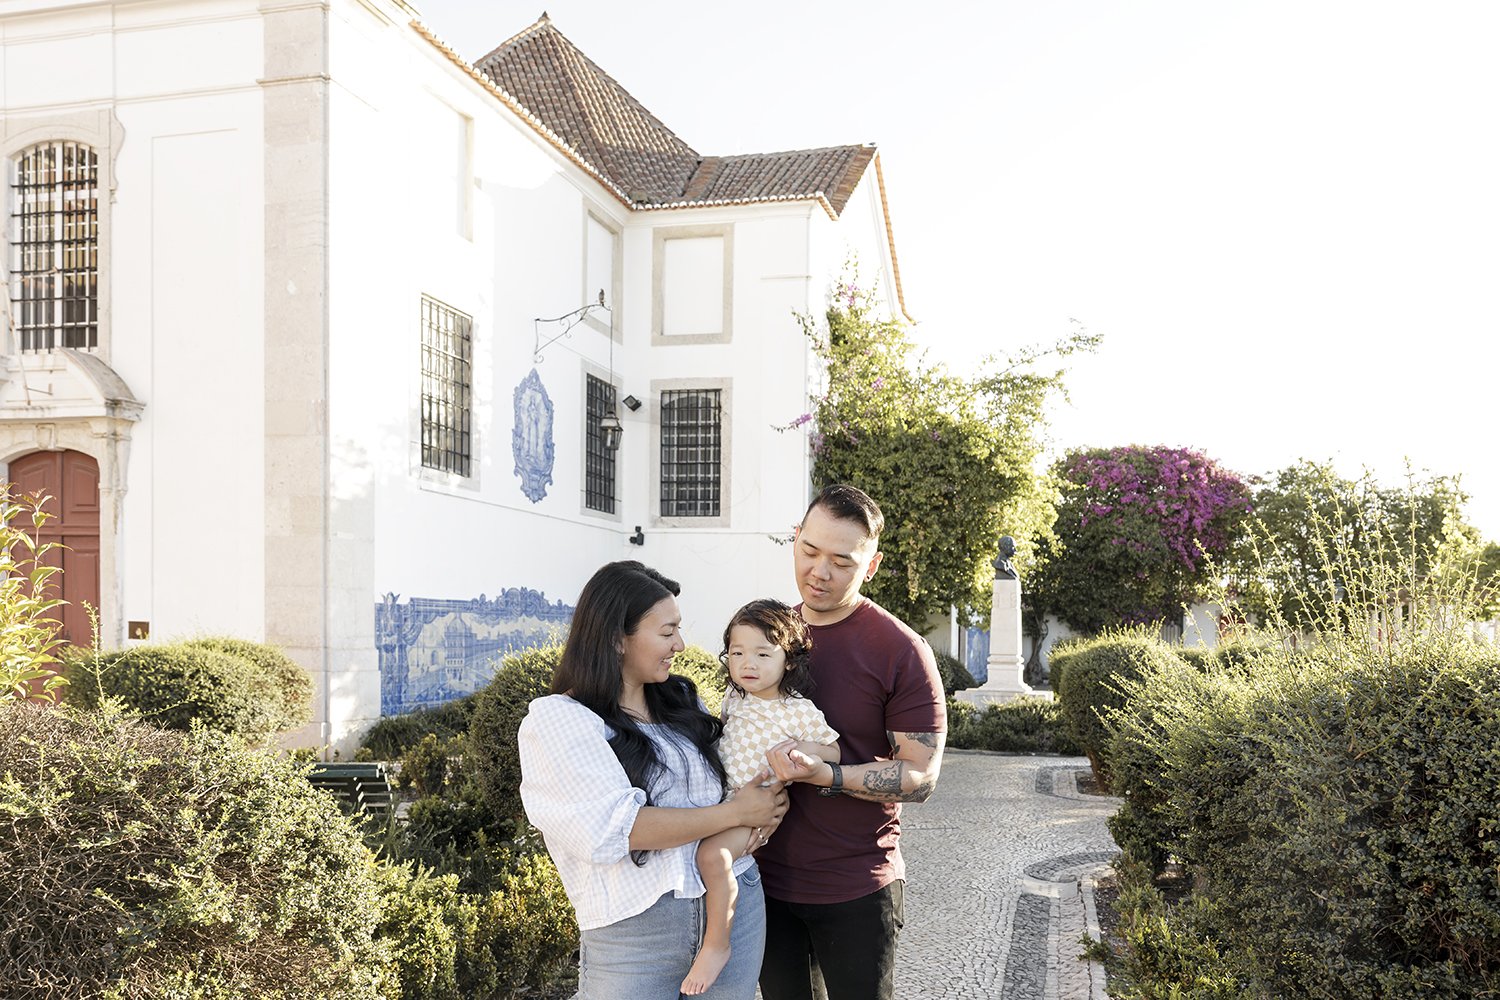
column 885, row 782
column 928, row 740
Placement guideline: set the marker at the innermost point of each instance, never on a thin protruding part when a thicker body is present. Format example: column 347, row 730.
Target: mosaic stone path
column 999, row 867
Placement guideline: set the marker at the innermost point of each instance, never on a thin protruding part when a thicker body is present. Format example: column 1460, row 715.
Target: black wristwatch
column 838, row 782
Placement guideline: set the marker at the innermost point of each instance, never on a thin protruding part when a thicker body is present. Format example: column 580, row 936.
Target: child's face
column 755, row 662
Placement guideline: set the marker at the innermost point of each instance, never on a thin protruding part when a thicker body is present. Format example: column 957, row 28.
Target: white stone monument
column 1006, row 666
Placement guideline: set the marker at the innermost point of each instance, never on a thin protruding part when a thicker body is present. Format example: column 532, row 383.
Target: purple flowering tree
column 1138, row 531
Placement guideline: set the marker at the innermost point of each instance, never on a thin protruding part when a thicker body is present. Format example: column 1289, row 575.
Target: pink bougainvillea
column 1135, row 533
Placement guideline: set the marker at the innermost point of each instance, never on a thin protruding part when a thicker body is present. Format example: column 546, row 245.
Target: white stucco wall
column 277, row 408
column 182, row 265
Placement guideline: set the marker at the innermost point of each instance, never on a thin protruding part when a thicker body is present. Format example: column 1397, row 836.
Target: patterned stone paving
column 999, row 865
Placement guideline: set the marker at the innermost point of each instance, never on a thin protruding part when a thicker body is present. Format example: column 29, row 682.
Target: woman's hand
column 759, row 804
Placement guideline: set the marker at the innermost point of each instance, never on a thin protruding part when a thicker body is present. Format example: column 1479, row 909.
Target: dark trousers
column 833, row 951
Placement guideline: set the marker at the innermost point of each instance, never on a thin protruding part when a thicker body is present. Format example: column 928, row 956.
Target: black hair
column 785, row 628
column 611, row 607
column 849, row 503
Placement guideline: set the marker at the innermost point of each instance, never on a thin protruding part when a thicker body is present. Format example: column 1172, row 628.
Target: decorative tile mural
column 531, row 439
column 977, row 653
column 433, row 651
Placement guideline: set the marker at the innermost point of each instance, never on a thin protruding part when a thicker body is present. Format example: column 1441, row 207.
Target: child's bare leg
column 716, row 856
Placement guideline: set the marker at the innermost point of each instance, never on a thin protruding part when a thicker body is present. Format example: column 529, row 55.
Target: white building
column 275, row 270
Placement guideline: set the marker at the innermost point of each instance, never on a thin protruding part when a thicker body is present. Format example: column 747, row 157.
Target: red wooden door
column 71, row 480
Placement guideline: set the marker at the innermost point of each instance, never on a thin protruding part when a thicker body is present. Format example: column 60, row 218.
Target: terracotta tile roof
column 613, row 133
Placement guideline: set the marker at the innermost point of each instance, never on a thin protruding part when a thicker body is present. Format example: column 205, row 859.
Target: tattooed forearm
column 885, row 780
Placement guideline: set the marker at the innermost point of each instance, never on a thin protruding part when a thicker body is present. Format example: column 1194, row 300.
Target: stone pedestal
column 1005, row 663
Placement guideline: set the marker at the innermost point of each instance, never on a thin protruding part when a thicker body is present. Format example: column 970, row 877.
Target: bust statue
column 1003, row 569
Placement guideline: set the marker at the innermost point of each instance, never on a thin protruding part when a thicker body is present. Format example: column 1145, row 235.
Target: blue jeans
column 645, row 957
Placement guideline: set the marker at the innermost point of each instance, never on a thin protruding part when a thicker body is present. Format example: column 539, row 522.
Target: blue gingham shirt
column 577, row 794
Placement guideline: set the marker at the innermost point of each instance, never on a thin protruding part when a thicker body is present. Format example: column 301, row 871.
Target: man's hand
column 909, row 776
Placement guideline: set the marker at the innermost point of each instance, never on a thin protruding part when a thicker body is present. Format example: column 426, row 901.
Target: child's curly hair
column 784, row 627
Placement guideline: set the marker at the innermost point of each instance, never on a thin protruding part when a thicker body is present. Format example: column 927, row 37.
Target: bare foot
column 706, row 968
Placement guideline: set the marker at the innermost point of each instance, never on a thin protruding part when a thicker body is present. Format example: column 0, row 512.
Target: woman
column 619, row 773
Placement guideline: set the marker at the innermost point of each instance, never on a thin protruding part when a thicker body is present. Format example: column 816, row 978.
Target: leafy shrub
column 393, row 735
column 1338, row 807
column 28, row 630
column 227, row 685
column 498, row 710
column 289, row 684
column 706, row 672
column 141, row 863
column 1168, row 957
column 446, row 944
column 1094, row 670
column 1024, row 725
column 424, row 767
column 955, row 675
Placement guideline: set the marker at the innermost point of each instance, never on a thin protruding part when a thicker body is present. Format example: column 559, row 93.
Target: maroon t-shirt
column 872, row 675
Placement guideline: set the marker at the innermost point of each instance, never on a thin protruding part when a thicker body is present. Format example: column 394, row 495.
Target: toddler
column 767, row 646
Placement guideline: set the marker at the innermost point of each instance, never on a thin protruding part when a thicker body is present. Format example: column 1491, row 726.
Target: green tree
column 28, row 627
column 1321, row 543
column 950, row 459
column 1136, row 534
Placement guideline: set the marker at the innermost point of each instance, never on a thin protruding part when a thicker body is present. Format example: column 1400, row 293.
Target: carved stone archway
column 72, row 400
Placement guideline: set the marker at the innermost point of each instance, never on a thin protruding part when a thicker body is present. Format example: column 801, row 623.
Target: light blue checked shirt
column 576, row 793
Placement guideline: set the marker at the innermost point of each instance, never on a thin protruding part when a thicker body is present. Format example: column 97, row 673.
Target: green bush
column 227, row 685
column 424, row 767
column 1338, row 808
column 1025, row 725
column 142, row 863
column 706, row 672
column 498, row 710
column 393, row 735
column 1094, row 670
column 955, row 675
column 446, row 944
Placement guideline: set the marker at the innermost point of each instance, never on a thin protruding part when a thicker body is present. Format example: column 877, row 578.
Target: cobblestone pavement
column 994, row 866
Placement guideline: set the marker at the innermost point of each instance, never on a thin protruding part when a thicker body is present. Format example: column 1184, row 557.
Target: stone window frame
column 101, row 131
column 726, row 451
column 659, row 238
column 588, row 370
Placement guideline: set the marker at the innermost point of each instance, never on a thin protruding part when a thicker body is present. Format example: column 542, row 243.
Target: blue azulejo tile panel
column 531, row 441
column 977, row 654
column 433, row 650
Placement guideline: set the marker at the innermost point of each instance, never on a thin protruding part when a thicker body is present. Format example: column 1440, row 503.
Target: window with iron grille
column 599, row 461
column 447, row 384
column 54, row 250
column 691, row 452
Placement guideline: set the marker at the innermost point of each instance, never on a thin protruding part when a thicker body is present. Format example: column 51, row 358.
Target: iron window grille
column 54, row 251
column 691, row 452
column 447, row 387
column 599, row 460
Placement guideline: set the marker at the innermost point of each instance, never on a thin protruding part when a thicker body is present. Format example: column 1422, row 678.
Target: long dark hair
column 784, row 627
column 611, row 607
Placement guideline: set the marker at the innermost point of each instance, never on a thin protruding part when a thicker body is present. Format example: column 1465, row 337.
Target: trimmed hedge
column 141, row 863
column 394, row 735
column 1339, row 812
column 1090, row 686
column 228, row 685
column 499, row 708
column 1025, row 725
column 707, row 674
column 955, row 675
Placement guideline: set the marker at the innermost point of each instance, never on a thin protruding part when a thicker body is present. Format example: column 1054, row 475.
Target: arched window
column 54, row 249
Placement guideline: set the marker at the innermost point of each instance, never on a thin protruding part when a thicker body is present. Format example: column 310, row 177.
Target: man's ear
column 874, row 565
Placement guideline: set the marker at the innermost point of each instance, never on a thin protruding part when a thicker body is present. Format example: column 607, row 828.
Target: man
column 833, row 874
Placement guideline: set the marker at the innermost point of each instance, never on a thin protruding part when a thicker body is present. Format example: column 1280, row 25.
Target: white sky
column 1283, row 217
